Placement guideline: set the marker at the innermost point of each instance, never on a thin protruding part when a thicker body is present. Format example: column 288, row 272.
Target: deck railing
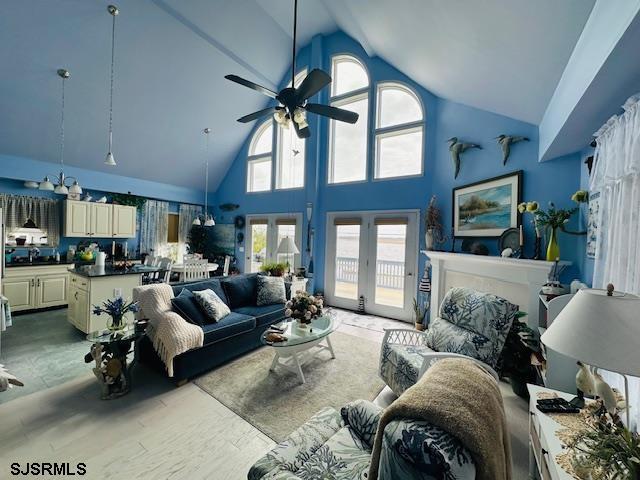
column 389, row 274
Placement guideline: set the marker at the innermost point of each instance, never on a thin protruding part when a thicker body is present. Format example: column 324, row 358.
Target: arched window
column 260, row 159
column 347, row 142
column 291, row 152
column 399, row 132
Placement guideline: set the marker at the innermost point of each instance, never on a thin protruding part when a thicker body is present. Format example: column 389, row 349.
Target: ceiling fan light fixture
column 300, row 118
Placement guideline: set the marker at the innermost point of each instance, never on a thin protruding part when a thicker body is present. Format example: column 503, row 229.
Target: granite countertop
column 91, row 271
column 36, row 264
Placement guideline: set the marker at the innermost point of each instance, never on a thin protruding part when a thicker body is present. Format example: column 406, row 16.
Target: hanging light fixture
column 60, row 186
column 208, row 219
column 113, row 10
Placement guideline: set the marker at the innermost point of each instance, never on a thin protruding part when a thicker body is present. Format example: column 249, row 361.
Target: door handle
column 38, row 282
column 410, row 274
column 33, row 282
column 76, row 295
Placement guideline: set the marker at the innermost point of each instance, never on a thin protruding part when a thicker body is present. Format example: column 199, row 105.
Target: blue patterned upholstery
column 471, row 323
column 338, row 447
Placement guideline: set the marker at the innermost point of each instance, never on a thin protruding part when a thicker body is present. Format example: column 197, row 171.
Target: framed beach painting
column 487, row 208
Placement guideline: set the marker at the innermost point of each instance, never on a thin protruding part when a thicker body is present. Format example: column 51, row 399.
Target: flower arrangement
column 605, row 449
column 553, row 219
column 116, row 309
column 304, row 307
column 433, row 225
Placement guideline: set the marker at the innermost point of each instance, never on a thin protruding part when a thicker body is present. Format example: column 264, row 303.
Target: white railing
column 389, row 274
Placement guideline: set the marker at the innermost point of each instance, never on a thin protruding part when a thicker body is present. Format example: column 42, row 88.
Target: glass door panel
column 287, row 231
column 347, row 261
column 258, row 246
column 391, row 243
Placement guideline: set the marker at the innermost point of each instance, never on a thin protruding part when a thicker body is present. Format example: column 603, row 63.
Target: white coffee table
column 302, row 344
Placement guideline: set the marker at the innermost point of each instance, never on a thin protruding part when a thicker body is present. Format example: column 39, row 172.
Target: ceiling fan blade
column 255, row 115
column 253, row 86
column 301, row 132
column 312, row 84
column 332, row 112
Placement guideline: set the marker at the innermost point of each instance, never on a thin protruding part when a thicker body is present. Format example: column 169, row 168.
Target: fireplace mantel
column 517, row 280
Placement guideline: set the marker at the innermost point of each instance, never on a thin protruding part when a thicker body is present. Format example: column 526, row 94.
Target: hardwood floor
column 157, row 431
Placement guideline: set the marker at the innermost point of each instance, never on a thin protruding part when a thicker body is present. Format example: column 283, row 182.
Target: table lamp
column 600, row 328
column 287, row 247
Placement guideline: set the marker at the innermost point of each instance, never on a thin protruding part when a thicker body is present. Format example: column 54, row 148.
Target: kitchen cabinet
column 35, row 287
column 124, row 221
column 99, row 220
column 85, row 291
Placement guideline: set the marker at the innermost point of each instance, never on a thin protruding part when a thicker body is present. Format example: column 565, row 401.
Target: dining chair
column 164, row 274
column 227, row 264
column 195, row 270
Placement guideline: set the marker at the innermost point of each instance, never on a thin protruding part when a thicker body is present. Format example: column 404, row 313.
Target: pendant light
column 60, row 186
column 113, row 10
column 208, row 219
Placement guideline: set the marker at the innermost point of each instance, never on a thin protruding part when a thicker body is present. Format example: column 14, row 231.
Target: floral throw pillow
column 270, row 290
column 215, row 308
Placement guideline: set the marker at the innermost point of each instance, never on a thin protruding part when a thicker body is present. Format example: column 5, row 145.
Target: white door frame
column 272, row 237
column 367, row 262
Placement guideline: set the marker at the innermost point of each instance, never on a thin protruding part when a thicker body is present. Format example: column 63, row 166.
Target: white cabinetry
column 124, row 221
column 29, row 288
column 100, row 220
column 85, row 292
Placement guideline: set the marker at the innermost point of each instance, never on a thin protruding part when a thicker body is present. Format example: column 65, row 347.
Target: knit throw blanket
column 170, row 334
column 460, row 397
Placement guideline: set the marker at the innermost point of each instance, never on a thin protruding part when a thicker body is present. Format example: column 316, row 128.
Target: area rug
column 277, row 402
column 370, row 322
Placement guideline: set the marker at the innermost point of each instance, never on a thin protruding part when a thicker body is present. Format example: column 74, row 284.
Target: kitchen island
column 91, row 285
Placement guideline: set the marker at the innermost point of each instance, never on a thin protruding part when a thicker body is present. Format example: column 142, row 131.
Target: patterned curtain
column 45, row 212
column 186, row 215
column 154, row 226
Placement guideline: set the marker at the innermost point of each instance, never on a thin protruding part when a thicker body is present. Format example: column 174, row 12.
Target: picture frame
column 487, row 208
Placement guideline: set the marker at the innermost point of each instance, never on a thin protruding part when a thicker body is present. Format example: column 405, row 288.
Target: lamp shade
column 287, row 247
column 75, row 188
column 599, row 330
column 46, row 185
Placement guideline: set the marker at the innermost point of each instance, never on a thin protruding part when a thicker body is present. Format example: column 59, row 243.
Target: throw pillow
column 240, row 290
column 215, row 308
column 187, row 307
column 270, row 290
column 444, row 336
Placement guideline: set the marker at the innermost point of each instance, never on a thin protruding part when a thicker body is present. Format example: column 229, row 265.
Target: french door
column 373, row 255
column 264, row 233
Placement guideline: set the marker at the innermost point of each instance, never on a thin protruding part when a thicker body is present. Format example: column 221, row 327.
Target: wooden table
column 179, row 269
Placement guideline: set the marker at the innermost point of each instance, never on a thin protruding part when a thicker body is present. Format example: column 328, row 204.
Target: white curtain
column 154, row 227
column 45, row 212
column 187, row 213
column 616, row 176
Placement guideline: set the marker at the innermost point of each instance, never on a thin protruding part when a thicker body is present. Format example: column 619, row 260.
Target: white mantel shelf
column 517, row 280
column 498, row 261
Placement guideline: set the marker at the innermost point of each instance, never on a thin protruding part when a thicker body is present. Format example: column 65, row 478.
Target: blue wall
column 551, row 181
column 16, row 187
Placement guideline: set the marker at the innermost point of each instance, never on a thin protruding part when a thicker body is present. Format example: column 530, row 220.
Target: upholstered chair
column 470, row 324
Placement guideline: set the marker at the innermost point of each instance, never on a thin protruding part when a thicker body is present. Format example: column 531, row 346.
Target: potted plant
column 304, row 308
column 432, row 225
column 515, row 359
column 116, row 309
column 420, row 314
column 274, row 269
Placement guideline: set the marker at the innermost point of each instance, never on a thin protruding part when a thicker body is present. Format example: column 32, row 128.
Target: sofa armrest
column 403, row 336
column 363, row 417
column 291, row 454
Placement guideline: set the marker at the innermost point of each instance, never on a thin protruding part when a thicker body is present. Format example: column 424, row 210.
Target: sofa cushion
column 188, row 308
column 209, row 284
column 483, row 313
column 264, row 315
column 215, row 308
column 444, row 336
column 270, row 290
column 231, row 325
column 240, row 290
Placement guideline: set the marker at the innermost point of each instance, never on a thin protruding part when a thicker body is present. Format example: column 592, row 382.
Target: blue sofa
column 237, row 333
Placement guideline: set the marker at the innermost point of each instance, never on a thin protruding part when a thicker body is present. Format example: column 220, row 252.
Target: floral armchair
column 471, row 324
column 337, row 446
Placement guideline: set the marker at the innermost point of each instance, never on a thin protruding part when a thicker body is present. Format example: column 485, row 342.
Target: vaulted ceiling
column 504, row 56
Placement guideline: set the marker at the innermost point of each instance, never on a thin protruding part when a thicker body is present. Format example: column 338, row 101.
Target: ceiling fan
column 293, row 101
